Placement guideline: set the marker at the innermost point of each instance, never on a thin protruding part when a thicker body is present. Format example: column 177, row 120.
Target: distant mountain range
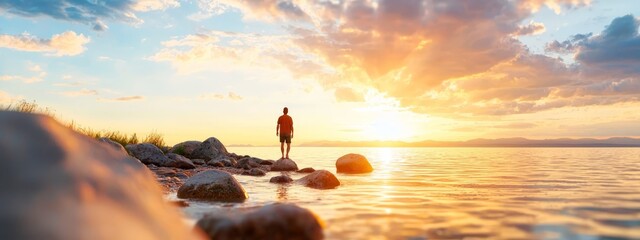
column 500, row 142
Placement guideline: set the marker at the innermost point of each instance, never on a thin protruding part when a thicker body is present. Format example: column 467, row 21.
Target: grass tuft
column 119, row 137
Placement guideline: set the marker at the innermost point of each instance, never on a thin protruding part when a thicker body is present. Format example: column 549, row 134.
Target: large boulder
column 320, row 179
column 148, row 154
column 60, row 184
column 113, row 144
column 211, row 148
column 353, row 163
column 178, row 161
column 185, row 148
column 276, row 221
column 213, row 185
column 284, row 164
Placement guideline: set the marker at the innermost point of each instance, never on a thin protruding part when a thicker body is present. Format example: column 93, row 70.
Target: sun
column 387, row 127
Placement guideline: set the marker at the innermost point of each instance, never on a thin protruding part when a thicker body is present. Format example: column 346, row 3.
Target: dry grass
column 119, row 137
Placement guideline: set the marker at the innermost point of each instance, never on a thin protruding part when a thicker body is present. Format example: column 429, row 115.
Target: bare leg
column 288, row 148
column 282, row 149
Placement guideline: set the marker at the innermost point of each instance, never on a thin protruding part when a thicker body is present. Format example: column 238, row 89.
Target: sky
column 356, row 70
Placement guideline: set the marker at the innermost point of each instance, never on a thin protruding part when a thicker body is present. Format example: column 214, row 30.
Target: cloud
column 230, row 51
column 93, row 13
column 344, row 94
column 263, row 10
column 219, row 96
column 38, row 75
column 555, row 5
column 87, row 12
column 439, row 57
column 67, row 43
column 617, row 48
column 83, row 92
column 152, row 5
column 207, row 9
column 533, row 28
column 122, row 99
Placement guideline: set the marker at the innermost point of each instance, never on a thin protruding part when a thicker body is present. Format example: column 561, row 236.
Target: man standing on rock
column 285, row 129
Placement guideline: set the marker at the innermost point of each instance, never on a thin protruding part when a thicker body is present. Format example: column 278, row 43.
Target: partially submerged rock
column 306, row 170
column 320, row 179
column 148, row 154
column 353, row 163
column 284, row 164
column 59, row 184
column 276, row 221
column 281, row 179
column 254, row 172
column 213, row 185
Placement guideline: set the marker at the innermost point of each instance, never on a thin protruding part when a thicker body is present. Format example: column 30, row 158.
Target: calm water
column 433, row 193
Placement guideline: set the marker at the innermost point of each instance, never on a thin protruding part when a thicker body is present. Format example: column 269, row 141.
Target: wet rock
column 321, row 179
column 113, row 144
column 306, row 170
column 60, row 184
column 198, row 161
column 216, row 164
column 148, row 154
column 254, row 172
column 185, row 148
column 165, row 172
column 179, row 161
column 213, row 185
column 284, row 165
column 276, row 221
column 211, row 148
column 281, row 179
column 182, row 176
column 180, row 203
column 251, row 162
column 267, row 162
column 353, row 163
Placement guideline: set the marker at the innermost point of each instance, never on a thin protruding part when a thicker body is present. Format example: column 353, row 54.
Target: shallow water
column 433, row 193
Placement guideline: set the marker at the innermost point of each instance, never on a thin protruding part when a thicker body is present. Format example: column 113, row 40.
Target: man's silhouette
column 285, row 129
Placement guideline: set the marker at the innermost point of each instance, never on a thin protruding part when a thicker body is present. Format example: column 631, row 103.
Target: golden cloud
column 67, row 43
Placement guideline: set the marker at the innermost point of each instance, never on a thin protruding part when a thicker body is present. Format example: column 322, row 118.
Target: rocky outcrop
column 148, row 154
column 213, row 185
column 276, row 221
column 178, row 161
column 281, row 179
column 353, row 163
column 321, row 179
column 113, row 144
column 59, row 184
column 284, row 164
column 211, row 148
column 186, row 148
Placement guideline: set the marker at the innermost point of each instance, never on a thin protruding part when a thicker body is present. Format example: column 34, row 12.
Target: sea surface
column 455, row 193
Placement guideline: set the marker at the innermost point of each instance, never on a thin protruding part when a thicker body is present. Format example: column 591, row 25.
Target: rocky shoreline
column 82, row 173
